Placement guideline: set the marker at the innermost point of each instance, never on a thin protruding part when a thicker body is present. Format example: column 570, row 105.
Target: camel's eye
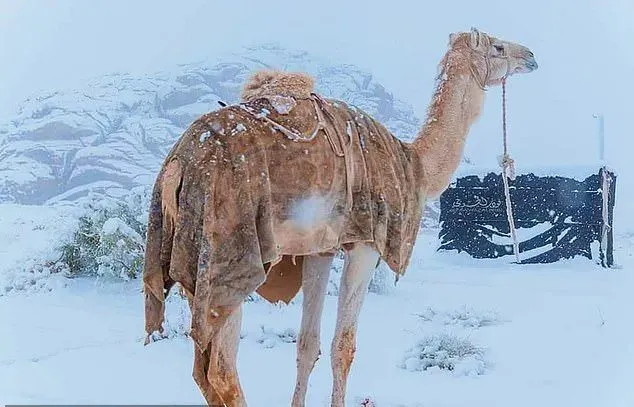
column 499, row 48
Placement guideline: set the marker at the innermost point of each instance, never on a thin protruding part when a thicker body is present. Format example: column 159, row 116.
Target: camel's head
column 492, row 59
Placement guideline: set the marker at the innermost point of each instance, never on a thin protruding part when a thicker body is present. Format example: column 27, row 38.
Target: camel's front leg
column 315, row 273
column 215, row 369
column 357, row 272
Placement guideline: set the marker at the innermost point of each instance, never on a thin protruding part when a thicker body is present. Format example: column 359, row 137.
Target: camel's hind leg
column 315, row 273
column 359, row 264
column 215, row 369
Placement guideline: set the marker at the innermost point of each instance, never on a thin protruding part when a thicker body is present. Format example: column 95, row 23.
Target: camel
column 260, row 196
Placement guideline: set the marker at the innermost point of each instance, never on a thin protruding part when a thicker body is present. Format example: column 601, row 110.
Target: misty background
column 583, row 49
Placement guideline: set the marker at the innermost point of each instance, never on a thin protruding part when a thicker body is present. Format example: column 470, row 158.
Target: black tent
column 557, row 217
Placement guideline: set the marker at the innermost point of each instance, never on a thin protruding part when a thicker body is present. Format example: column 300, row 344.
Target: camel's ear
column 452, row 38
column 474, row 38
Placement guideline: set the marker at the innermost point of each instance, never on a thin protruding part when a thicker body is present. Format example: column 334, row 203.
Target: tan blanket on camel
column 284, row 173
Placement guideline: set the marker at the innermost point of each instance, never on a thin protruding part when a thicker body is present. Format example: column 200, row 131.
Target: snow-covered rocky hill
column 113, row 134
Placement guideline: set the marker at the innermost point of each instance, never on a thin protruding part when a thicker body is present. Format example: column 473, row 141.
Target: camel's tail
column 158, row 249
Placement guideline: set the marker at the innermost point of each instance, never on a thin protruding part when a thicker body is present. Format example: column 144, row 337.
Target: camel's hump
column 267, row 84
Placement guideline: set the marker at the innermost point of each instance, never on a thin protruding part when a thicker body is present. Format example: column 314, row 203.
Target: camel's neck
column 456, row 104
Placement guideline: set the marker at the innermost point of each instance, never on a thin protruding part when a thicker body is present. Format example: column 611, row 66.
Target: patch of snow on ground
column 28, row 238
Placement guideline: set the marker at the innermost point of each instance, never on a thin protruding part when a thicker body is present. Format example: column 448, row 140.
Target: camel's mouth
column 530, row 64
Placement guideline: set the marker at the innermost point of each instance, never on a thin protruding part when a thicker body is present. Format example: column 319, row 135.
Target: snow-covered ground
column 547, row 335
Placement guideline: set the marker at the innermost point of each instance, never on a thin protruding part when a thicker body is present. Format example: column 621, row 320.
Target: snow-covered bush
column 445, row 352
column 32, row 276
column 271, row 337
column 110, row 237
column 464, row 316
column 431, row 215
column 365, row 402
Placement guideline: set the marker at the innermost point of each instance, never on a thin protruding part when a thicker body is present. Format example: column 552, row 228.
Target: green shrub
column 110, row 237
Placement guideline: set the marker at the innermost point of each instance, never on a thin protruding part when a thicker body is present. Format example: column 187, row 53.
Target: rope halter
column 482, row 82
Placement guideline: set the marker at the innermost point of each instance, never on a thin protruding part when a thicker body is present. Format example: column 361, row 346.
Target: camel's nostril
column 531, row 63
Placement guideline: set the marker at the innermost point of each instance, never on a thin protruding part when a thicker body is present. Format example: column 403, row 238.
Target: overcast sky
column 583, row 48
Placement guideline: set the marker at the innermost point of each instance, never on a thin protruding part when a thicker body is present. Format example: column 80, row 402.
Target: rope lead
column 508, row 170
